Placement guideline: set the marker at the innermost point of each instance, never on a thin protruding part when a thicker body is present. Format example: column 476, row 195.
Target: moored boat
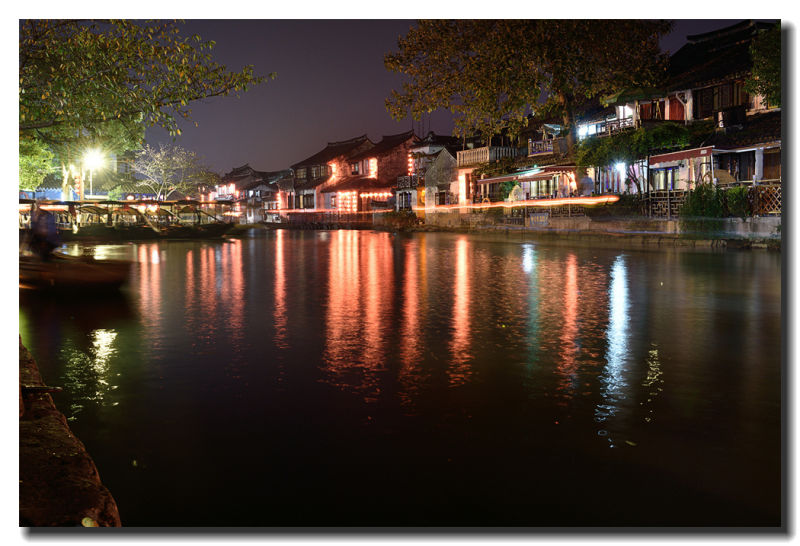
column 64, row 272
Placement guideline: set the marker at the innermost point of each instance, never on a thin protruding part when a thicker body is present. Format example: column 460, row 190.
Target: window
column 664, row 179
column 301, row 173
column 354, row 168
column 318, row 171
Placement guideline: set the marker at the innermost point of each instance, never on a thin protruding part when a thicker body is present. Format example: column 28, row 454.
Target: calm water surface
column 364, row 378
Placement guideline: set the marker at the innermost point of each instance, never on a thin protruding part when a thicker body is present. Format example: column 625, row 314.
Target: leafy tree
column 630, row 147
column 505, row 188
column 492, row 73
column 70, row 147
column 168, row 169
column 765, row 77
column 35, row 162
column 95, row 83
column 80, row 74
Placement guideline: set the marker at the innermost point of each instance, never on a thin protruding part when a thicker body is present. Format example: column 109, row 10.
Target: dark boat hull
column 73, row 273
column 101, row 233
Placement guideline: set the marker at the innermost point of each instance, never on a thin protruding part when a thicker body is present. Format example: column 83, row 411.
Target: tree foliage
column 96, row 84
column 765, row 77
column 629, row 147
column 35, row 162
column 167, row 169
column 76, row 75
column 492, row 73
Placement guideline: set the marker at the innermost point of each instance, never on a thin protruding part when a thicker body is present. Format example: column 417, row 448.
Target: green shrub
column 705, row 201
column 737, row 201
column 400, row 219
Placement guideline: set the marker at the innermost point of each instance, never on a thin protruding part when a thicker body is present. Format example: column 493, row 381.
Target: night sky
column 331, row 85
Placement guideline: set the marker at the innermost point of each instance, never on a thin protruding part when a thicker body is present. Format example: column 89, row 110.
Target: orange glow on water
column 358, row 319
column 189, row 296
column 150, row 289
column 459, row 370
column 280, row 291
column 410, row 348
column 569, row 332
column 342, row 317
column 233, row 290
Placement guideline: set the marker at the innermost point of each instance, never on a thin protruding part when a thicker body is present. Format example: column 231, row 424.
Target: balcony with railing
column 485, row 154
column 540, row 147
column 607, row 128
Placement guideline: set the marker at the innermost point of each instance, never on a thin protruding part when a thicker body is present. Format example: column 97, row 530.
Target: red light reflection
column 459, row 370
column 280, row 291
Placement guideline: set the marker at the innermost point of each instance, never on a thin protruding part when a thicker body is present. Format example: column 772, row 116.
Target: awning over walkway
column 497, row 179
column 521, row 176
column 548, row 172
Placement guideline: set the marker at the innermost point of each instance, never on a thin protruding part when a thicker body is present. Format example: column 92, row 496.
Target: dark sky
column 331, row 85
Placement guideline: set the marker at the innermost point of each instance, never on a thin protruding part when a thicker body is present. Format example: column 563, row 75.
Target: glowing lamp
column 620, row 168
column 373, row 167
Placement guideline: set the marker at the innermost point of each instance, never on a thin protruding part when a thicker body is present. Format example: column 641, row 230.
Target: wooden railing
column 766, row 199
column 484, row 155
column 613, row 127
column 664, row 203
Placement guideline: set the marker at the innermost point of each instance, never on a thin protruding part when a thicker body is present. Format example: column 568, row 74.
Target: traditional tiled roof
column 332, row 150
column 758, row 129
column 245, row 177
column 286, row 182
column 386, row 144
column 432, row 139
column 713, row 57
column 362, row 183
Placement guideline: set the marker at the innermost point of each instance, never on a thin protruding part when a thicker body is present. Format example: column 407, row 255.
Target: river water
column 348, row 378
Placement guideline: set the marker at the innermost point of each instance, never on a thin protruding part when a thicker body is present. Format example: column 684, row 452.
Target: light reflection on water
column 452, row 348
column 89, row 374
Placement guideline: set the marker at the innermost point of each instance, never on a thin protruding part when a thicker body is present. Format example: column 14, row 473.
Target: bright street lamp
column 93, row 160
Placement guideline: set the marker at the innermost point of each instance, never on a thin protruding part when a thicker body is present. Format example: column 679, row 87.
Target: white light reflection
column 617, row 334
column 528, row 258
column 87, row 375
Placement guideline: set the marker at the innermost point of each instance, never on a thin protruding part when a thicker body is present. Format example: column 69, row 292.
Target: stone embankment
column 58, row 482
column 753, row 233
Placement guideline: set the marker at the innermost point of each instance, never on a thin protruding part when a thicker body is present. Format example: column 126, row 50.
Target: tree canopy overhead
column 76, row 75
column 492, row 73
column 765, row 78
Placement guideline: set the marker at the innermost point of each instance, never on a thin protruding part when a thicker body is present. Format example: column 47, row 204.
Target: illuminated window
column 301, row 173
column 354, row 168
